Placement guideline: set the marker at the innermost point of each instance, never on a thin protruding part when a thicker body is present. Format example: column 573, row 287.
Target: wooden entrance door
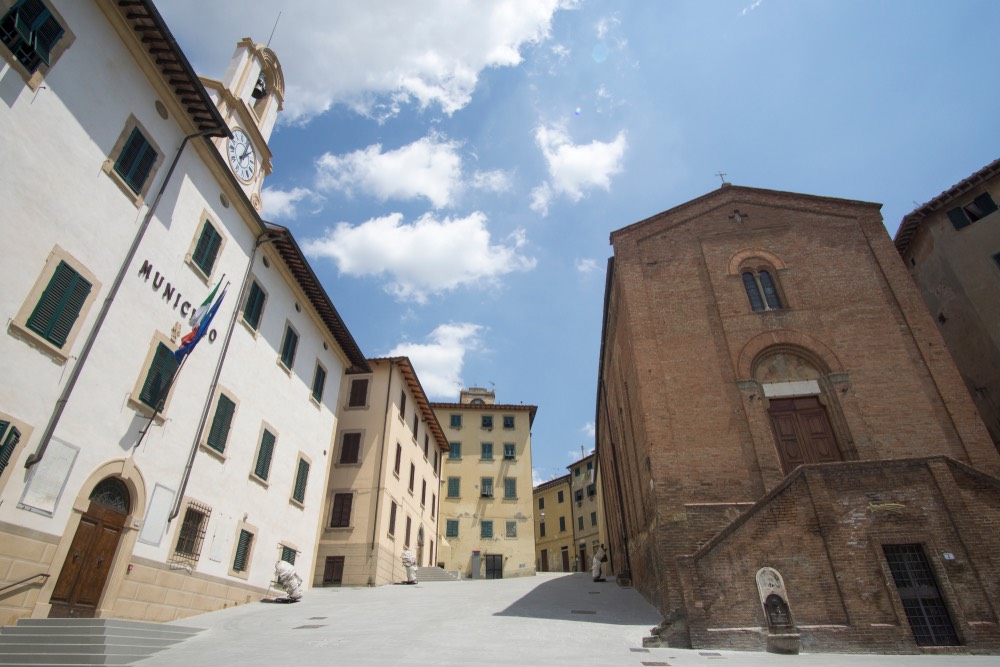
column 802, row 432
column 545, row 560
column 565, row 559
column 583, row 558
column 88, row 563
column 494, row 566
column 333, row 570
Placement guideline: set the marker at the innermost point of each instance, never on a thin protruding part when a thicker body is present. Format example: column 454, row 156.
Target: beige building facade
column 486, row 507
column 383, row 479
column 554, row 539
column 951, row 247
column 586, row 508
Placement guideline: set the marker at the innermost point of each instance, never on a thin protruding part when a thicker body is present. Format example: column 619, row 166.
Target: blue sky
column 454, row 168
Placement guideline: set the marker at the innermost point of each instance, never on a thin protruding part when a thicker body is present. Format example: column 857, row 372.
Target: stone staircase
column 45, row 642
column 428, row 574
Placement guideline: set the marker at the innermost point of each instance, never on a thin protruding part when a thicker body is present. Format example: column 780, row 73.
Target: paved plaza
column 550, row 619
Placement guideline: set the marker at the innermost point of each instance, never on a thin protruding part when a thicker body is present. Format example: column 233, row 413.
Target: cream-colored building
column 486, row 508
column 586, row 510
column 382, row 491
column 554, row 542
column 131, row 188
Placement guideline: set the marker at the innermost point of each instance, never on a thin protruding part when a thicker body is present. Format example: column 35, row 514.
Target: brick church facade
column 789, row 458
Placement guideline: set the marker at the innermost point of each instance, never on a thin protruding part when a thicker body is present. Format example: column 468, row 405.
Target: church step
column 99, row 625
column 15, row 635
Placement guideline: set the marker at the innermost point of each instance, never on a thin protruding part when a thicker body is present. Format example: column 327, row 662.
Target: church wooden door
column 88, row 563
column 802, row 432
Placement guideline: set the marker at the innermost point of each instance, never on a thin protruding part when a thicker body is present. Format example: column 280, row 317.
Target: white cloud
column 438, row 362
column 429, row 167
column 373, row 56
column 589, row 430
column 575, row 168
column 282, row 204
column 491, row 181
column 587, row 265
column 429, row 256
column 751, row 7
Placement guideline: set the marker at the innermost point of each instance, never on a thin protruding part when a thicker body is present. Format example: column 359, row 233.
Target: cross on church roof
column 739, row 217
column 722, row 176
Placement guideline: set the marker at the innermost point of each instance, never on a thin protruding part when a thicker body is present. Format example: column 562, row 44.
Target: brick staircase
column 48, row 642
column 428, row 574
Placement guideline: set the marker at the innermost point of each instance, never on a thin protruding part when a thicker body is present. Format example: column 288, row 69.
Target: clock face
column 242, row 157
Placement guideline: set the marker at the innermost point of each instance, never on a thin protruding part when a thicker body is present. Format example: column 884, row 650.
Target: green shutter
column 288, row 347
column 451, row 529
column 159, row 378
column 510, row 487
column 264, row 456
column 47, row 32
column 254, row 306
column 9, row 436
column 288, row 554
column 453, row 487
column 242, row 550
column 136, row 160
column 299, row 493
column 486, row 529
column 318, row 381
column 207, row 249
column 56, row 312
column 958, row 218
column 221, row 423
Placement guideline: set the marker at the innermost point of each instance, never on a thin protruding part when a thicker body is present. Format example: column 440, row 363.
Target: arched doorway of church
column 88, row 562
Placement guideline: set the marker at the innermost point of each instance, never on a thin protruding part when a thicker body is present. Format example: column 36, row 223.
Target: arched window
column 762, row 290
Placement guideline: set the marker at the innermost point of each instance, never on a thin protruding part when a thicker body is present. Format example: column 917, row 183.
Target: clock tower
column 249, row 96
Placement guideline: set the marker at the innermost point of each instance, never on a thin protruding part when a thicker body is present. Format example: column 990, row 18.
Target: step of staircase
column 429, row 574
column 77, row 642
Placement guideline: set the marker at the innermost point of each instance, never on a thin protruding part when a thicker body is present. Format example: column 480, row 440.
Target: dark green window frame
column 451, row 528
column 454, row 487
column 9, row 437
column 254, row 306
column 207, row 250
column 136, row 161
column 486, row 487
column 264, row 455
column 30, row 31
column 319, row 382
column 455, row 450
column 160, row 377
column 486, row 529
column 301, row 477
column 508, row 421
column 509, row 451
column 60, row 305
column 218, row 434
column 486, row 451
column 456, row 421
column 289, row 345
column 288, row 554
column 243, row 546
column 510, row 487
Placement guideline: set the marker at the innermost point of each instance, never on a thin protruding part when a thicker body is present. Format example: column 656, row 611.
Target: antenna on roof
column 722, row 176
column 273, row 29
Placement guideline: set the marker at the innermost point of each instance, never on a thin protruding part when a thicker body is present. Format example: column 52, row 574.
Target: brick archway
column 804, row 344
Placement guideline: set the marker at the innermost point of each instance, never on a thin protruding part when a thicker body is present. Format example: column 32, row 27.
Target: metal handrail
column 25, row 580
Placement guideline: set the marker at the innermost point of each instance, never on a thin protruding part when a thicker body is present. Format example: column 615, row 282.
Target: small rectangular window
column 192, row 533
column 406, row 537
column 578, row 495
column 455, row 450
column 593, row 518
column 486, row 530
column 392, row 519
column 399, row 459
column 512, row 529
column 243, row 545
column 218, row 434
column 254, row 306
column 61, row 302
column 576, row 471
column 264, row 455
column 319, row 382
column 341, row 517
column 289, row 345
column 487, row 421
column 486, row 487
column 402, row 404
column 487, row 451
column 301, row 477
column 508, row 421
column 579, row 523
column 359, row 393
column 433, row 504
column 454, row 486
column 541, row 503
column 135, row 161
column 509, row 451
column 159, row 378
column 456, row 421
column 510, row 488
column 541, row 529
column 416, row 423
column 591, row 490
column 559, row 496
column 451, row 528
column 30, row 32
column 9, row 438
column 562, row 524
column 288, row 554
column 413, row 475
column 207, row 249
column 350, row 448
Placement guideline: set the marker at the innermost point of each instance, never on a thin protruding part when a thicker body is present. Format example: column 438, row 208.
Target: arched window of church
column 762, row 290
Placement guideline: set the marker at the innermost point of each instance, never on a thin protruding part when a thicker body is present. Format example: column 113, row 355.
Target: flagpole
column 160, row 402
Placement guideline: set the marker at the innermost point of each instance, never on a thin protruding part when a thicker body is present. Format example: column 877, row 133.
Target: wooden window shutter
column 254, row 306
column 159, row 378
column 56, row 312
column 288, row 554
column 301, row 476
column 359, row 392
column 9, row 437
column 349, row 450
column 135, row 161
column 319, row 381
column 263, row 467
column 207, row 249
column 219, row 433
column 242, row 550
column 342, row 504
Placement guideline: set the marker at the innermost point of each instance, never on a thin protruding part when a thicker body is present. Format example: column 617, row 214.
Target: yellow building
column 382, row 489
column 586, row 511
column 486, row 512
column 554, row 537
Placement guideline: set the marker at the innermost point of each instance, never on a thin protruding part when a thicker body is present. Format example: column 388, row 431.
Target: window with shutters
column 206, row 247
column 289, row 345
column 455, row 451
column 399, row 460
column 10, row 438
column 487, row 422
column 359, row 393
column 451, row 528
column 433, row 505
column 562, row 524
column 159, row 378
column 220, row 424
column 454, row 487
column 977, row 209
column 288, row 554
column 509, row 451
column 508, row 421
column 35, row 36
column 486, row 530
column 134, row 161
column 409, row 525
column 486, row 487
column 191, row 535
column 54, row 311
column 510, row 488
column 253, row 309
column 423, row 492
column 593, row 518
column 319, row 382
column 402, row 404
column 486, row 451
column 301, row 478
column 350, row 448
column 541, row 529
column 243, row 551
column 413, row 476
column 456, row 421
column 341, row 515
column 265, row 454
column 392, row 520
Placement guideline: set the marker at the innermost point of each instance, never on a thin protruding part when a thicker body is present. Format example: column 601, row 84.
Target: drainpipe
column 206, row 408
column 105, row 307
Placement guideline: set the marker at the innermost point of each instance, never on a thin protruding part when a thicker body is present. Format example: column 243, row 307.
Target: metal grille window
column 512, row 529
column 919, row 593
column 242, row 559
column 192, row 534
column 61, row 302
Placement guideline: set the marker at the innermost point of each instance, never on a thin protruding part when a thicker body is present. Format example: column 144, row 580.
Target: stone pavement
column 550, row 619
